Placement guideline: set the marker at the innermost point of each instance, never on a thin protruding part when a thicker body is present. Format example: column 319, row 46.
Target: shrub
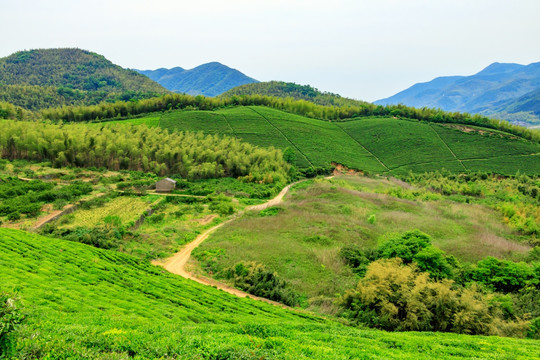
column 434, row 261
column 10, row 318
column 14, row 216
column 405, row 246
column 398, row 297
column 503, row 275
column 255, row 279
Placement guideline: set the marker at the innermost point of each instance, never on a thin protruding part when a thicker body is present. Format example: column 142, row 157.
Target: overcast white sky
column 364, row 49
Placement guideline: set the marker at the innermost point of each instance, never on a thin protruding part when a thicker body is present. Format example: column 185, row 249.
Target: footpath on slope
column 176, row 264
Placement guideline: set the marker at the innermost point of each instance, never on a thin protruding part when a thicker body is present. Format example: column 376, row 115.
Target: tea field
column 84, row 302
column 373, row 144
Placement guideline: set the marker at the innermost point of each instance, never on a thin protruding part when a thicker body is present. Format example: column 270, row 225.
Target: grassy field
column 381, row 145
column 301, row 242
column 83, row 302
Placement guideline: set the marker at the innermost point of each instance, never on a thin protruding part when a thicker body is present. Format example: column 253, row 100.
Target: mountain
column 37, row 79
column 500, row 90
column 210, row 79
column 283, row 89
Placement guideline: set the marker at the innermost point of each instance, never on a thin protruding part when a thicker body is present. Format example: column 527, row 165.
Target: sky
column 363, row 49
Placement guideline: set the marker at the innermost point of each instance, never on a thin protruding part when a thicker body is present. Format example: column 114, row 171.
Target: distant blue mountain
column 210, row 79
column 507, row 91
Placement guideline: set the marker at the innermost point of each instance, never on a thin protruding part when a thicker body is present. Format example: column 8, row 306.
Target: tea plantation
column 83, row 302
column 373, row 144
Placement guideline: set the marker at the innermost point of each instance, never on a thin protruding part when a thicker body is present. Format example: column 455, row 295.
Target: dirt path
column 176, row 264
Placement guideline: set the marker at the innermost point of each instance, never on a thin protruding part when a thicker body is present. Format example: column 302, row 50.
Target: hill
column 374, row 144
column 37, row 79
column 83, row 302
column 494, row 91
column 282, row 89
column 305, row 238
column 209, row 79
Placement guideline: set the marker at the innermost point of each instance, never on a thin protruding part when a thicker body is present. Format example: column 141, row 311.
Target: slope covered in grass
column 301, row 240
column 83, row 302
column 376, row 144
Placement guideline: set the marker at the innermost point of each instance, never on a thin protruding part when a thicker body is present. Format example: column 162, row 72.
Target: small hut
column 165, row 185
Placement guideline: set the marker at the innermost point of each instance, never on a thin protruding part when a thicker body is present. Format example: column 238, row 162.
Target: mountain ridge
column 40, row 78
column 209, row 79
column 493, row 91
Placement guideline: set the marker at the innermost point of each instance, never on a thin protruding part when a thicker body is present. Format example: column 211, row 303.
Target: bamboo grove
column 189, row 155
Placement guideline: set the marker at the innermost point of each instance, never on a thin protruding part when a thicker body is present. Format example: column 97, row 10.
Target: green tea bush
column 10, row 319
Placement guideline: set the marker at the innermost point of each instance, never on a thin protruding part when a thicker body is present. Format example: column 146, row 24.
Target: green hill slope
column 43, row 78
column 283, row 89
column 376, row 144
column 83, row 302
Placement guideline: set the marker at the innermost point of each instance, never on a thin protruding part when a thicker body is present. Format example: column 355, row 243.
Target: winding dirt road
column 176, row 264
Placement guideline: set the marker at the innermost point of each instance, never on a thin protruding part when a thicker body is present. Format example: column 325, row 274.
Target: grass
column 83, row 302
column 125, row 208
column 150, row 121
column 170, row 227
column 301, row 242
column 380, row 145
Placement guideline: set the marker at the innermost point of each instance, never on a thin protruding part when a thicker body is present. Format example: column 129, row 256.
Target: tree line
column 188, row 155
column 306, row 108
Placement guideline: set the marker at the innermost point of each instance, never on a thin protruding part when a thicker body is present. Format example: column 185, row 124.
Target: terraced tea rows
column 84, row 302
column 382, row 145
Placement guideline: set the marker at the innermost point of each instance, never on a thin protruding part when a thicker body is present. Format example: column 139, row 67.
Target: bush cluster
column 408, row 284
column 255, row 279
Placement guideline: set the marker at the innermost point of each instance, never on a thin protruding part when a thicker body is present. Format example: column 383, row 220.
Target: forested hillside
column 38, row 79
column 283, row 89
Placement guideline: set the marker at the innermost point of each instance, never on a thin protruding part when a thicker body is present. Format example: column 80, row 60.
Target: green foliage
column 27, row 197
column 10, row 319
column 193, row 156
column 107, row 236
column 289, row 155
column 255, row 279
column 396, row 298
column 282, row 89
column 435, row 262
column 60, row 77
column 271, row 211
column 84, row 302
column 373, row 144
column 404, row 246
column 504, row 275
column 411, row 246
